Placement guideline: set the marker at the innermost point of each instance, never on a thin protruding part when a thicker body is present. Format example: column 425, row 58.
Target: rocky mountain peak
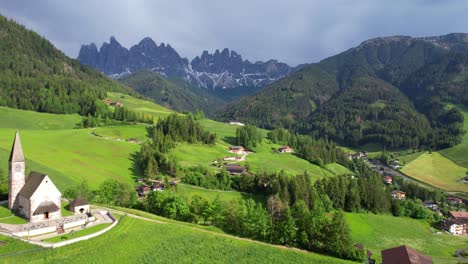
column 222, row 69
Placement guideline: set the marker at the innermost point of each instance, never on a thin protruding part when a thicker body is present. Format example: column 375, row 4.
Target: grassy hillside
column 438, row 171
column 21, row 119
column 459, row 153
column 34, row 75
column 265, row 157
column 379, row 232
column 140, row 105
column 138, row 132
column 70, row 156
column 148, row 242
column 188, row 191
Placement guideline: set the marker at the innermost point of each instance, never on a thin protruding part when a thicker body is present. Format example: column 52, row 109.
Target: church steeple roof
column 16, row 154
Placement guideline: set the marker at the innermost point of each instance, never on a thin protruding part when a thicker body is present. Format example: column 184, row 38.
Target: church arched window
column 18, row 168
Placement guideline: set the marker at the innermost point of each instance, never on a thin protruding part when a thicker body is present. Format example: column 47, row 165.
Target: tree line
column 164, row 136
column 119, row 116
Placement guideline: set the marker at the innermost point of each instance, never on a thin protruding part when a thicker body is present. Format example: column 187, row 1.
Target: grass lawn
column 438, row 171
column 28, row 120
column 378, row 232
column 7, row 217
column 189, row 191
column 71, row 156
column 138, row 132
column 80, row 233
column 134, row 240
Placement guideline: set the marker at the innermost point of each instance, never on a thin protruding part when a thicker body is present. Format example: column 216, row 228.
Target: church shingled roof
column 46, row 206
column 16, row 154
column 78, row 202
column 32, row 183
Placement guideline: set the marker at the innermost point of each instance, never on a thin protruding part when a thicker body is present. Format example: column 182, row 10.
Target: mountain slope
column 282, row 103
column 369, row 111
column 171, row 95
column 382, row 69
column 34, row 75
column 218, row 71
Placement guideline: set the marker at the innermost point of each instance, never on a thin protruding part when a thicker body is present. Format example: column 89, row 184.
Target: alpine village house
column 36, row 198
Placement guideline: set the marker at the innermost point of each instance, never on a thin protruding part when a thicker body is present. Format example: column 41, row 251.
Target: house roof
column 32, row 182
column 235, row 167
column 236, row 147
column 404, row 255
column 78, row 202
column 16, row 154
column 455, row 214
column 398, row 192
column 46, row 206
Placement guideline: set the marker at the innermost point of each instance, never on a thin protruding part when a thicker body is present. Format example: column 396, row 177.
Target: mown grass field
column 437, row 170
column 188, row 191
column 147, row 242
column 378, row 232
column 459, row 153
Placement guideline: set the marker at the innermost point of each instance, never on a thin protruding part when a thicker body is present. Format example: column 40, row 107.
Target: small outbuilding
column 79, row 206
column 285, row 149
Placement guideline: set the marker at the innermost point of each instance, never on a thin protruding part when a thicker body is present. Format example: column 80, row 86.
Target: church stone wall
column 23, row 206
column 16, row 181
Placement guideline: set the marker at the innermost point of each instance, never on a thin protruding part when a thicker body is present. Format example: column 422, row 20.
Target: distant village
column 456, row 222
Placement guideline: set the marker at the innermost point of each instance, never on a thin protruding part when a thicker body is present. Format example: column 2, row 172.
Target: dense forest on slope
column 172, row 94
column 34, row 75
column 390, row 91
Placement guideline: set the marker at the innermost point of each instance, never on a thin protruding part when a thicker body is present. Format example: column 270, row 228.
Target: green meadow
column 435, row 169
column 188, row 191
column 378, row 232
column 71, row 156
column 148, row 242
column 138, row 132
column 140, row 105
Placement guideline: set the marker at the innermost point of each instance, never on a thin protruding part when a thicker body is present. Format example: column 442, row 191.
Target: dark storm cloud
column 293, row 31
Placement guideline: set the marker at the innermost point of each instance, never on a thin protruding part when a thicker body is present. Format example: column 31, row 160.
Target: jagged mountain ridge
column 220, row 70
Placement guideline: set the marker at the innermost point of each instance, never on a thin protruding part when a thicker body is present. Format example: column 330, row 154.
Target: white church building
column 34, row 197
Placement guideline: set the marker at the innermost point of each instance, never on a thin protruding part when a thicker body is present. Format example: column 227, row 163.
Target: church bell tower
column 16, row 171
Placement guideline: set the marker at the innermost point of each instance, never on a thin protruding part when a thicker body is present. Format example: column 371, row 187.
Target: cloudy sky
column 293, row 31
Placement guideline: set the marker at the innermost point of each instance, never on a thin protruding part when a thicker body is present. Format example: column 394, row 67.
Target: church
column 34, row 197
